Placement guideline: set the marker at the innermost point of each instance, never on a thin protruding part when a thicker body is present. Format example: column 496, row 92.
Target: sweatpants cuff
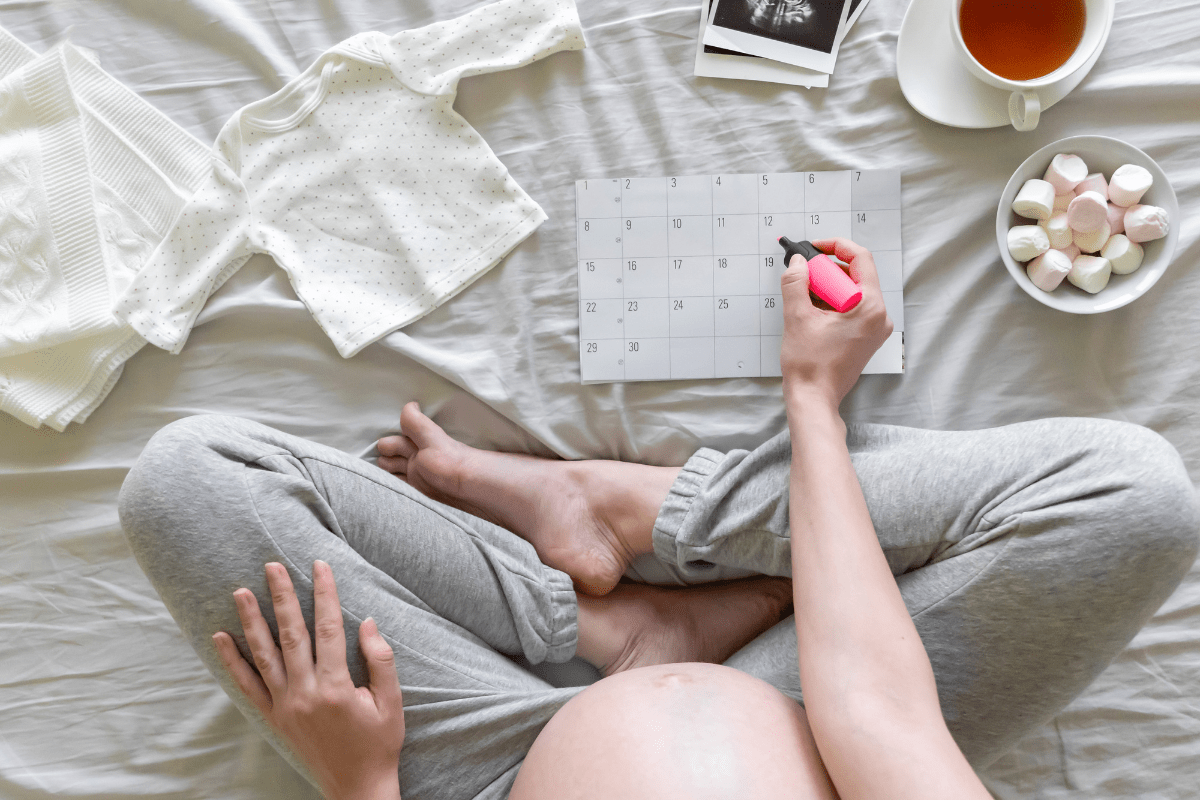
column 563, row 636
column 675, row 509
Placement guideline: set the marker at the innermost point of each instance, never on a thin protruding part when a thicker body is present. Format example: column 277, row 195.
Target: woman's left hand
column 350, row 737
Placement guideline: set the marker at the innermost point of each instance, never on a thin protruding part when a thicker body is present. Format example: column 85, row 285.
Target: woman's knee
column 1156, row 512
column 176, row 474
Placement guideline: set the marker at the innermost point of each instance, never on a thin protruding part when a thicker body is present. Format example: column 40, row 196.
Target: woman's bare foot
column 639, row 625
column 586, row 518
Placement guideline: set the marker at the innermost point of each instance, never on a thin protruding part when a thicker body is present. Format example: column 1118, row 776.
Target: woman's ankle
column 599, row 639
column 627, row 497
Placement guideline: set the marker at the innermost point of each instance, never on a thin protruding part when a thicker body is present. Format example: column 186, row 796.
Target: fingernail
column 319, row 564
column 370, row 627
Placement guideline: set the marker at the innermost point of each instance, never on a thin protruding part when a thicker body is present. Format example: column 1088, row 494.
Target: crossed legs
column 591, row 519
column 1028, row 555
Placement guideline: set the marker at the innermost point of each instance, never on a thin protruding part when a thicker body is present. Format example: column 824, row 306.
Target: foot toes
column 419, row 428
column 396, row 466
column 396, row 446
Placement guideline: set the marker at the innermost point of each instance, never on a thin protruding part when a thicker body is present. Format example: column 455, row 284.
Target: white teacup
column 1024, row 105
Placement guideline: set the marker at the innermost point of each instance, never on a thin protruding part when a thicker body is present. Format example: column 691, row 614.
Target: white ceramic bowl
column 1101, row 154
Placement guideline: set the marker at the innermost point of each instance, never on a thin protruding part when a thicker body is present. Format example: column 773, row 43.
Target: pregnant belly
column 693, row 731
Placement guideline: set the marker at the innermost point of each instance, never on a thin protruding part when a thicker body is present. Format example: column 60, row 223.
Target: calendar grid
column 679, row 276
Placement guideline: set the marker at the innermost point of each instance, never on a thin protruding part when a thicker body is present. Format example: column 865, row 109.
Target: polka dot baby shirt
column 361, row 180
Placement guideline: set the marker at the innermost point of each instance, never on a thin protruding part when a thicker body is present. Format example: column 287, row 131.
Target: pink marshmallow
column 1146, row 223
column 1093, row 183
column 1128, row 184
column 1071, row 251
column 1087, row 212
column 1116, row 219
column 1065, row 172
column 1048, row 270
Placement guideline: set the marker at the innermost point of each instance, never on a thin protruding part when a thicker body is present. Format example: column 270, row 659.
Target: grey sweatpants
column 1028, row 556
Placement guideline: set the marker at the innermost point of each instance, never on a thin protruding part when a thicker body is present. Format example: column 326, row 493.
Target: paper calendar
column 679, row 276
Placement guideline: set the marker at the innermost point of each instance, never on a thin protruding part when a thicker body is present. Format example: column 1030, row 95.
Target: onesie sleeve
column 503, row 35
column 208, row 242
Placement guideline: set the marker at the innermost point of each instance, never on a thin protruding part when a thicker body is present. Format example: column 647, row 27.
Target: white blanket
column 100, row 694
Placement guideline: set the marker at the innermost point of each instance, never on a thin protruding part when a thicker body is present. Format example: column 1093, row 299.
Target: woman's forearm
column 862, row 663
column 868, row 686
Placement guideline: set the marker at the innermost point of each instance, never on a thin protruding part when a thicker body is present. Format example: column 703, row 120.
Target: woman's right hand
column 824, row 351
column 349, row 737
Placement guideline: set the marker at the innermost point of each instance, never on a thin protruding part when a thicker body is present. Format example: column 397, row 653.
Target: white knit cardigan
column 91, row 179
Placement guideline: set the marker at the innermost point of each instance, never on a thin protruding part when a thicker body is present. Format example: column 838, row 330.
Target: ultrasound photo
column 714, row 61
column 809, row 24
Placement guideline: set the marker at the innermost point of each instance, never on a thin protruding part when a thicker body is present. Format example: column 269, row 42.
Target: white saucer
column 938, row 86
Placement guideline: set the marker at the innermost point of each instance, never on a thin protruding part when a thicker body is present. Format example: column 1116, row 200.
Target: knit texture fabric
column 91, row 179
column 362, row 182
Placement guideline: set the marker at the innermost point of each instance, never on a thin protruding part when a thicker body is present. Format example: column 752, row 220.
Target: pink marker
column 827, row 280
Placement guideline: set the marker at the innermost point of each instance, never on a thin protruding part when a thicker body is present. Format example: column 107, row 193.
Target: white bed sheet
column 99, row 693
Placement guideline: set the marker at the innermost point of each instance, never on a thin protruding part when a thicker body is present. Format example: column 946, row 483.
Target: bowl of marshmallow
column 1087, row 224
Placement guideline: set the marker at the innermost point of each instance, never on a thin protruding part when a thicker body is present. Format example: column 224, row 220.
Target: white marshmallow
column 1048, row 270
column 1062, row 201
column 1058, row 230
column 1026, row 242
column 1071, row 251
column 1087, row 212
column 1116, row 218
column 1124, row 255
column 1065, row 172
column 1092, row 241
column 1094, row 183
column 1146, row 223
column 1090, row 273
column 1128, row 184
column 1035, row 200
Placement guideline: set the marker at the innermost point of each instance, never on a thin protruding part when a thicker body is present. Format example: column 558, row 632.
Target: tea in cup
column 1027, row 45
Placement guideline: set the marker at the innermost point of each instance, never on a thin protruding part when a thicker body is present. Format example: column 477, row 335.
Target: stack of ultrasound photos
column 780, row 41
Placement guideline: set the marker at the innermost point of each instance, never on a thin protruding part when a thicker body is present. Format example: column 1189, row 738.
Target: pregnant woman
column 951, row 590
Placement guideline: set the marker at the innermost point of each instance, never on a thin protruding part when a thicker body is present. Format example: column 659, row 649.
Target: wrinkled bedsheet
column 99, row 693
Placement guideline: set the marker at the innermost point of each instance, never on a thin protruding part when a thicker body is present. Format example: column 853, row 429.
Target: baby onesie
column 359, row 178
column 91, row 178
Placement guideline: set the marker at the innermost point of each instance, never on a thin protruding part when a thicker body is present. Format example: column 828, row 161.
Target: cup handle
column 1024, row 109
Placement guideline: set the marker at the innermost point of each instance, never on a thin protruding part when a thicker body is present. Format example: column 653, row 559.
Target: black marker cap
column 802, row 248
